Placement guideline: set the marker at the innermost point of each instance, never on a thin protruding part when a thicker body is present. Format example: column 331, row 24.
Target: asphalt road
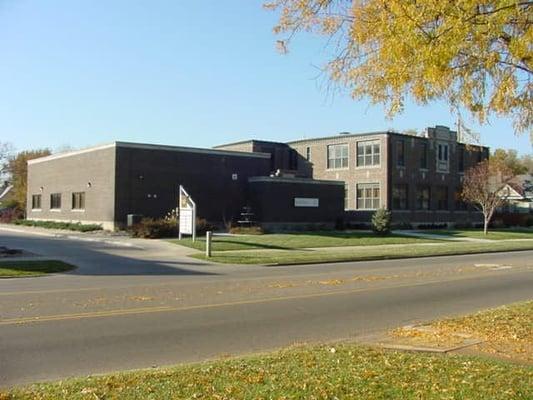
column 136, row 304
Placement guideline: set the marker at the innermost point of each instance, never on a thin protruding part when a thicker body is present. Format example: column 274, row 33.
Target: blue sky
column 198, row 73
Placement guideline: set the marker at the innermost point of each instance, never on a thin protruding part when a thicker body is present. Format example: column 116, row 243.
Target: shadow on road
column 98, row 258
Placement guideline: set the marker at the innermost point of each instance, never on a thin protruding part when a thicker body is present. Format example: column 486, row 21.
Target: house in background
column 6, row 194
column 519, row 195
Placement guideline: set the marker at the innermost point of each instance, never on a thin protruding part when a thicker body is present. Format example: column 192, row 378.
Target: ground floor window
column 460, row 204
column 55, row 201
column 400, row 197
column 442, row 197
column 36, row 202
column 78, row 201
column 423, row 197
column 368, row 196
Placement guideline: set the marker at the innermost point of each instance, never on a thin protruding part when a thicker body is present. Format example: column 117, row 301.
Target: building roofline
column 71, row 153
column 234, row 143
column 280, row 179
column 149, row 147
column 339, row 135
column 191, row 149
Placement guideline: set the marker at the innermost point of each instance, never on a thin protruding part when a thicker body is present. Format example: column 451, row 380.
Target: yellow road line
column 145, row 310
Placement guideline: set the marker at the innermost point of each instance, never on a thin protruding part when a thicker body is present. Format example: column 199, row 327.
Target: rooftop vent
column 344, row 133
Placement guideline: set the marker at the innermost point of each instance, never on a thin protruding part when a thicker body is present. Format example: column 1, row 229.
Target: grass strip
column 343, row 371
column 18, row 269
column 493, row 234
column 506, row 331
column 299, row 240
column 289, row 257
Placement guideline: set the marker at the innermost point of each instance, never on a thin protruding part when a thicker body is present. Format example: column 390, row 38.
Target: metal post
column 208, row 236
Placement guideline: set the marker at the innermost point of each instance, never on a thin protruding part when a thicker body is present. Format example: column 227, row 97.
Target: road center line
column 145, row 310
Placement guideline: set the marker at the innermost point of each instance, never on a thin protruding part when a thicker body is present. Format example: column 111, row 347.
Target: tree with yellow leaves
column 475, row 54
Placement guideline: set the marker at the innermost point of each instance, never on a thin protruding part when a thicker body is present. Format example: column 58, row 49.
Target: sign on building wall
column 187, row 214
column 305, row 202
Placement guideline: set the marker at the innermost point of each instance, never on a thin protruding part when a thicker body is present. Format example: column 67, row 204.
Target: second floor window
column 400, row 153
column 36, row 202
column 308, row 153
column 399, row 197
column 337, row 156
column 461, row 159
column 78, row 201
column 368, row 196
column 368, row 153
column 55, row 201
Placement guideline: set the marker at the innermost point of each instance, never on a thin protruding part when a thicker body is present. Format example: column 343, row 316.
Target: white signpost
column 187, row 215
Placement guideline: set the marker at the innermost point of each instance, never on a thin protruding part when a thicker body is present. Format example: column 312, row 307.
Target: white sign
column 186, row 225
column 305, row 202
column 187, row 214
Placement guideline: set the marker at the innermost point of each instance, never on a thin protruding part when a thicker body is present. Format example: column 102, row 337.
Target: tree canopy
column 18, row 171
column 509, row 158
column 475, row 54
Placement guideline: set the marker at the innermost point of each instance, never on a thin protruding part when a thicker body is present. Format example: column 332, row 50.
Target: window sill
column 36, row 209
column 78, row 210
column 55, row 210
column 368, row 166
column 338, row 169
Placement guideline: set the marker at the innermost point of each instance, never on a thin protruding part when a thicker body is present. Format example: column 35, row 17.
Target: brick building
column 313, row 181
column 417, row 177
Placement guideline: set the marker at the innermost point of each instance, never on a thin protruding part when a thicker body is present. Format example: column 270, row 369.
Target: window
column 55, row 201
column 400, row 153
column 308, row 153
column 368, row 196
column 443, row 152
column 442, row 157
column 399, row 197
column 423, row 197
column 424, row 156
column 338, row 156
column 461, row 159
column 78, row 201
column 442, row 198
column 460, row 204
column 36, row 202
column 368, row 153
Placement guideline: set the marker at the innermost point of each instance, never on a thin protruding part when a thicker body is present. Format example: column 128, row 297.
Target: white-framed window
column 78, row 201
column 55, row 201
column 36, row 201
column 368, row 153
column 368, row 196
column 337, row 156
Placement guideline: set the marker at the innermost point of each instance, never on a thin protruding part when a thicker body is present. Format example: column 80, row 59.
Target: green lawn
column 19, row 269
column 289, row 241
column 493, row 234
column 286, row 257
column 343, row 371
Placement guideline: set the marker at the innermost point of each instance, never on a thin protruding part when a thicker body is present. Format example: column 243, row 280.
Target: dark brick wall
column 272, row 200
column 148, row 181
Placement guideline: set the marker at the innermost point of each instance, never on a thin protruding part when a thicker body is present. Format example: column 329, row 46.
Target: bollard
column 208, row 236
